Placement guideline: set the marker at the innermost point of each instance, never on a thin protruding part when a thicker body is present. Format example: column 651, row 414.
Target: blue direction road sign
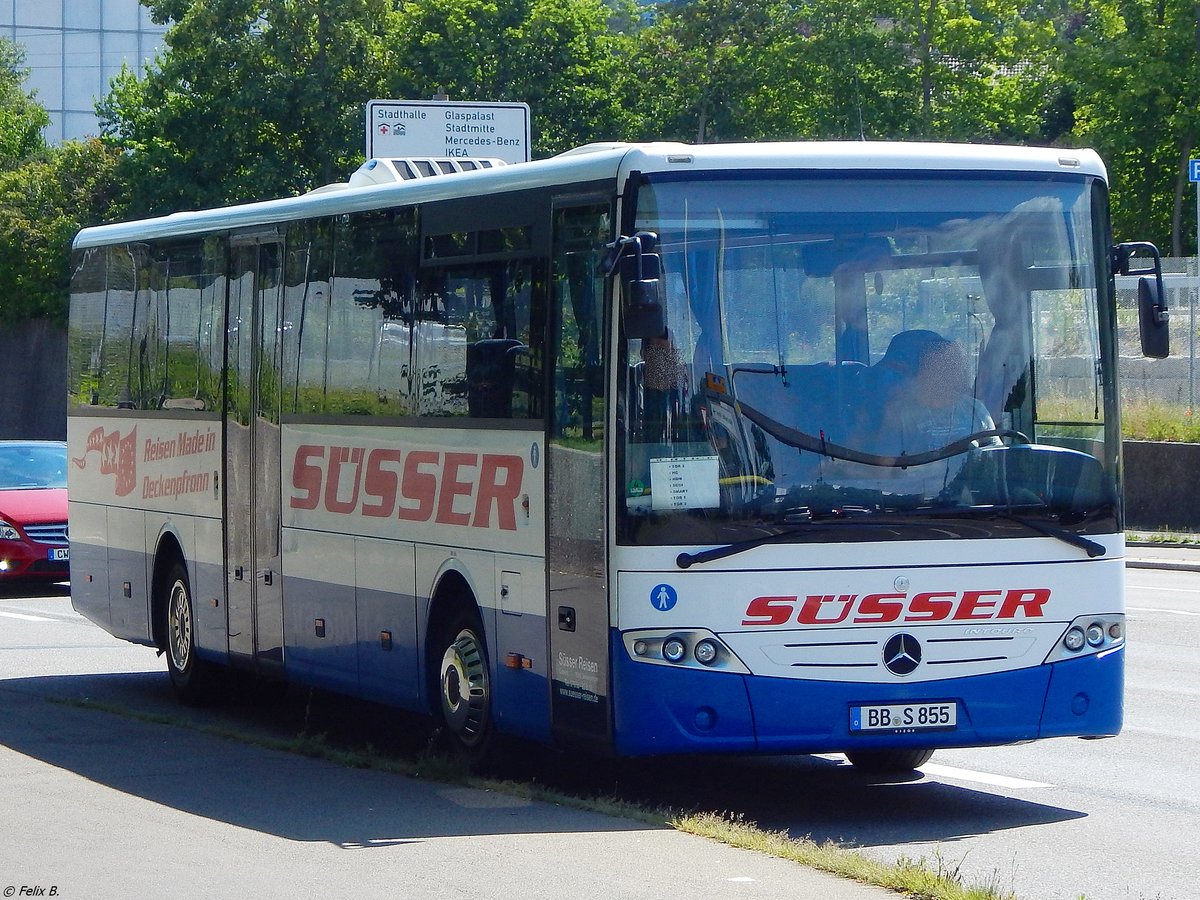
column 1194, row 170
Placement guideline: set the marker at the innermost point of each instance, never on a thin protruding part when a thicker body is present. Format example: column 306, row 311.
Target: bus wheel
column 884, row 761
column 465, row 689
column 191, row 677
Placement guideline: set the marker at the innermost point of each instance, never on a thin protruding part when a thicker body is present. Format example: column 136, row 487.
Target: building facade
column 73, row 48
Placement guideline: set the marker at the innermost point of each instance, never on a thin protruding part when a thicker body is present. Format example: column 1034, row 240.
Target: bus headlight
column 697, row 649
column 674, row 649
column 1089, row 636
column 706, row 652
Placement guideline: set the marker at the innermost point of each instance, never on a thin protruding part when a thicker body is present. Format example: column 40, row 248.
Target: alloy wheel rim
column 180, row 624
column 465, row 688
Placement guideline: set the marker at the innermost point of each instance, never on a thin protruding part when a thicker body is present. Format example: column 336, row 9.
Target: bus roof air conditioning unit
column 387, row 171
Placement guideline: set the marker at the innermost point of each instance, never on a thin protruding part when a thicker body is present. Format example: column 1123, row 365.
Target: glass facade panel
column 81, row 77
column 84, row 14
column 120, row 14
column 73, row 48
column 39, row 15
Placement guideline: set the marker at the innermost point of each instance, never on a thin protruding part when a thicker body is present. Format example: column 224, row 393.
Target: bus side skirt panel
column 521, row 694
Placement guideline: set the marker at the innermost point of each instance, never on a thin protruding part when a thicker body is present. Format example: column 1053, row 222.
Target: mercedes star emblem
column 902, row 654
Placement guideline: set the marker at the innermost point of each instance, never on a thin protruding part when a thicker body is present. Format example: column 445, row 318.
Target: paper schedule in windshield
column 685, row 482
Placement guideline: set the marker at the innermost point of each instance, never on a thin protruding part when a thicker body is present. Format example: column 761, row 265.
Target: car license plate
column 899, row 718
column 60, row 554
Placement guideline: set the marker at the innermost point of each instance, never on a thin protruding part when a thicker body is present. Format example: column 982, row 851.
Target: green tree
column 932, row 69
column 842, row 73
column 699, row 66
column 982, row 65
column 559, row 56
column 22, row 118
column 43, row 203
column 1137, row 89
column 250, row 99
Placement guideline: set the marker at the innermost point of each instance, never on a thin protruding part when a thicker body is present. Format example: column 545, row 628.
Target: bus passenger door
column 576, row 560
column 252, row 467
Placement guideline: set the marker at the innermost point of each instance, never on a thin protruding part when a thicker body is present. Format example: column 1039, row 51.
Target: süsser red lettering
column 452, row 488
column 884, row 608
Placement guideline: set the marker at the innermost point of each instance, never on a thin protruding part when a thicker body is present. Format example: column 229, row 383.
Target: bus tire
column 888, row 761
column 192, row 678
column 464, row 688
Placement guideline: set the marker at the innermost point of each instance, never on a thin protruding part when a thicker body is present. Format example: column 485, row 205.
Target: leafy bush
column 1159, row 422
column 43, row 203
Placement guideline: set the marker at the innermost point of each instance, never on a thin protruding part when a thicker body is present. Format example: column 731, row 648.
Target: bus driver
column 929, row 407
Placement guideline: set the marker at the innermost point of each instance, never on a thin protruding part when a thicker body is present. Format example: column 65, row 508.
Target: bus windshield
column 871, row 358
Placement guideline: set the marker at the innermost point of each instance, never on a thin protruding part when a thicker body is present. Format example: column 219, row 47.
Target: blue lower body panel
column 657, row 709
column 1085, row 696
column 663, row 710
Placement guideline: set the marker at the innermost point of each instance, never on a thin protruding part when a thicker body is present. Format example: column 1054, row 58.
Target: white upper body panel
column 599, row 162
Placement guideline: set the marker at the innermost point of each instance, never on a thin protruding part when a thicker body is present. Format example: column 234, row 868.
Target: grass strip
column 1165, row 536
column 915, row 878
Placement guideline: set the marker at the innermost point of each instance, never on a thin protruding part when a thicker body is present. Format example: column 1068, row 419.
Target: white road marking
column 1152, row 609
column 1153, row 587
column 12, row 615
column 957, row 774
column 1003, row 781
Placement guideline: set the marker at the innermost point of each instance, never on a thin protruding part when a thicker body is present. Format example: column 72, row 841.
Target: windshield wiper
column 1092, row 548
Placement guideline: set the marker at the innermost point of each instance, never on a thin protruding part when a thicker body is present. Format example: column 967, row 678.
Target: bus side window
column 306, row 314
column 102, row 289
column 479, row 343
column 186, row 292
column 577, row 323
column 367, row 353
column 504, row 370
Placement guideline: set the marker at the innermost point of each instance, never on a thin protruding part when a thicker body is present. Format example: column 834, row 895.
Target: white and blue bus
column 649, row 449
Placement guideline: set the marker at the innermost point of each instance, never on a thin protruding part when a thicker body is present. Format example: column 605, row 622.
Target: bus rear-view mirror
column 641, row 280
column 1153, row 319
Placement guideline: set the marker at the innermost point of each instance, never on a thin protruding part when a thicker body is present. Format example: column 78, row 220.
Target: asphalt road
column 1055, row 819
column 98, row 805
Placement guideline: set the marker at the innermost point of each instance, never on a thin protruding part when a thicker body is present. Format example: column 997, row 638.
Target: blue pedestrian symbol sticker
column 663, row 597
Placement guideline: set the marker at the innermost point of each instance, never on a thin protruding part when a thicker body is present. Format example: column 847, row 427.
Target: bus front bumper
column 663, row 710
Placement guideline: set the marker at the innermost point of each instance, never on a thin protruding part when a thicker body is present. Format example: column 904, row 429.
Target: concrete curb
column 1164, row 564
column 1181, row 557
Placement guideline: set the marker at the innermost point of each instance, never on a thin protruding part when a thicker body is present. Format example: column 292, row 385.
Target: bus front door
column 576, row 563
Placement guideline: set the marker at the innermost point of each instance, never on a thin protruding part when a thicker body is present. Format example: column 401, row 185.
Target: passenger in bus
column 663, row 387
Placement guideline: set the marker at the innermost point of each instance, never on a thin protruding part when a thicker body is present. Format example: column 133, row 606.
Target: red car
column 33, row 511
